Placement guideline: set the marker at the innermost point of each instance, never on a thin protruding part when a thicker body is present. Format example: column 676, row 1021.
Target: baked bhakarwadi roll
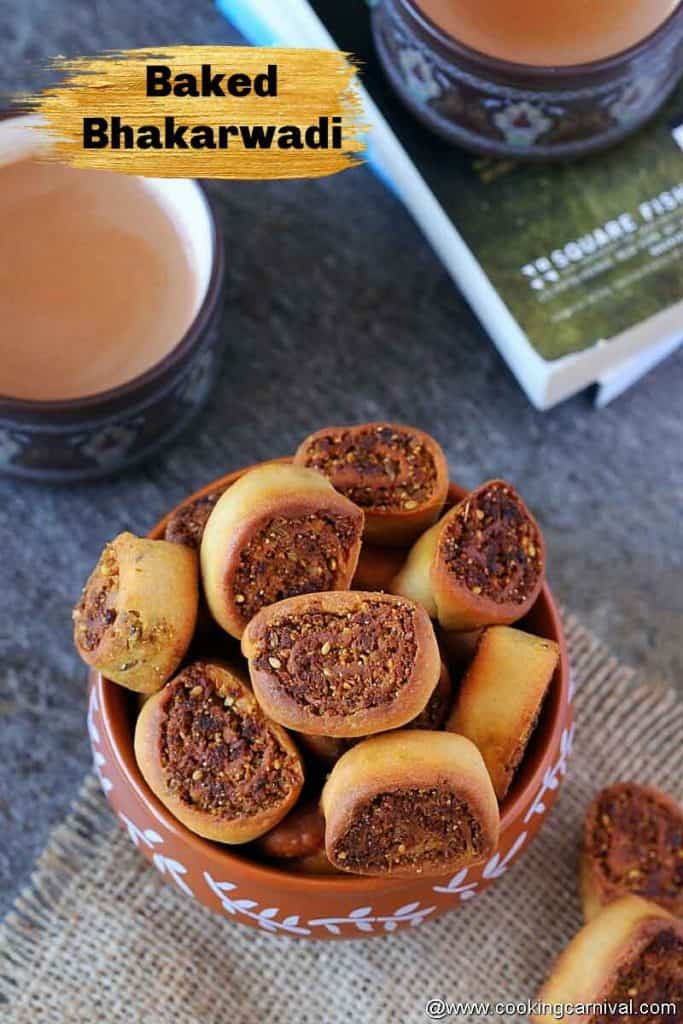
column 481, row 565
column 186, row 524
column 437, row 708
column 459, row 648
column 342, row 664
column 211, row 756
column 377, row 567
column 138, row 610
column 630, row 953
column 300, row 834
column 329, row 749
column 398, row 475
column 314, row 864
column 278, row 531
column 500, row 698
column 632, row 843
column 409, row 803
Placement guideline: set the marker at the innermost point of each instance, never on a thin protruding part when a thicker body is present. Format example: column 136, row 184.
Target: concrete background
column 336, row 310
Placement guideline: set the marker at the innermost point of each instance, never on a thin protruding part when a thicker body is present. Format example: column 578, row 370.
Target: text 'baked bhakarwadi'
column 481, row 565
column 137, row 613
column 409, row 803
column 397, row 474
column 500, row 698
column 211, row 756
column 342, row 664
column 632, row 843
column 630, row 954
column 278, row 531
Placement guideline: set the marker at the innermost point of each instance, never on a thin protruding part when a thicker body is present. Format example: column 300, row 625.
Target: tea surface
column 95, row 283
column 548, row 32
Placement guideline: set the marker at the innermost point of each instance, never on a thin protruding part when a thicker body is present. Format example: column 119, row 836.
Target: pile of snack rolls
column 368, row 615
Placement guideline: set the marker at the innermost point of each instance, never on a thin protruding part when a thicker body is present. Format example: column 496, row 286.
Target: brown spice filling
column 417, row 827
column 638, row 845
column 342, row 662
column 655, row 977
column 379, row 468
column 187, row 525
column 492, row 546
column 290, row 556
column 96, row 611
column 219, row 754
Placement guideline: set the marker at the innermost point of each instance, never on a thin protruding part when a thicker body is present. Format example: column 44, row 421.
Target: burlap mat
column 99, row 938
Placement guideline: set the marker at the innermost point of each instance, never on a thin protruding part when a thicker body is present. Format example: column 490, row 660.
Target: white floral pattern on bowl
column 522, row 124
column 419, row 74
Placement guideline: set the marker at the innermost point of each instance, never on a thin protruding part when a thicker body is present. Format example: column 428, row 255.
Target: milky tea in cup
column 549, row 33
column 101, row 274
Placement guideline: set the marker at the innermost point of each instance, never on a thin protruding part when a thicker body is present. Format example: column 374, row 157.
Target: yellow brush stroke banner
column 206, row 112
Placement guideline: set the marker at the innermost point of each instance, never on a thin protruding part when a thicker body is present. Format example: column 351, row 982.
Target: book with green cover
column 575, row 269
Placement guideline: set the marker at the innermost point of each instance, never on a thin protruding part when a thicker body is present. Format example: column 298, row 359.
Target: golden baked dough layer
column 137, row 613
column 409, row 803
column 631, row 951
column 500, row 698
column 277, row 531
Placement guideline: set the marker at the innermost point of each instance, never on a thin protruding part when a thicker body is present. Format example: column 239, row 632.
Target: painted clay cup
column 503, row 109
column 98, row 435
column 324, row 906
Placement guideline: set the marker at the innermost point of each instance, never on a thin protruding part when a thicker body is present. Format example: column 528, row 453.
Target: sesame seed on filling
column 418, row 827
column 637, row 843
column 378, row 468
column 94, row 613
column 217, row 751
column 656, row 976
column 290, row 556
column 342, row 662
column 493, row 547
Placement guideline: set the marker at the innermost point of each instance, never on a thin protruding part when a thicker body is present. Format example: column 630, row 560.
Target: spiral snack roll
column 138, row 610
column 342, row 664
column 409, row 803
column 398, row 475
column 481, row 565
column 633, row 843
column 500, row 698
column 186, row 524
column 301, row 834
column 278, row 531
column 630, row 954
column 209, row 754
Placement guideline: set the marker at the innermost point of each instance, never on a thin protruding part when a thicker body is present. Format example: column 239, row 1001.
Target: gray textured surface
column 336, row 310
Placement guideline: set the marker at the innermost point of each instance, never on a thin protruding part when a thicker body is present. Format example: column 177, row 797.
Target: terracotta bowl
column 324, row 906
column 503, row 109
column 101, row 434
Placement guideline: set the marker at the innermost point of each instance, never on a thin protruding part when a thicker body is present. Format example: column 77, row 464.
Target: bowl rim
column 541, row 71
column 109, row 694
column 190, row 339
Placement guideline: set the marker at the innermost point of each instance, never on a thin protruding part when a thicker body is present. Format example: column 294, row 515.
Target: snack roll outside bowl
column 231, row 882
